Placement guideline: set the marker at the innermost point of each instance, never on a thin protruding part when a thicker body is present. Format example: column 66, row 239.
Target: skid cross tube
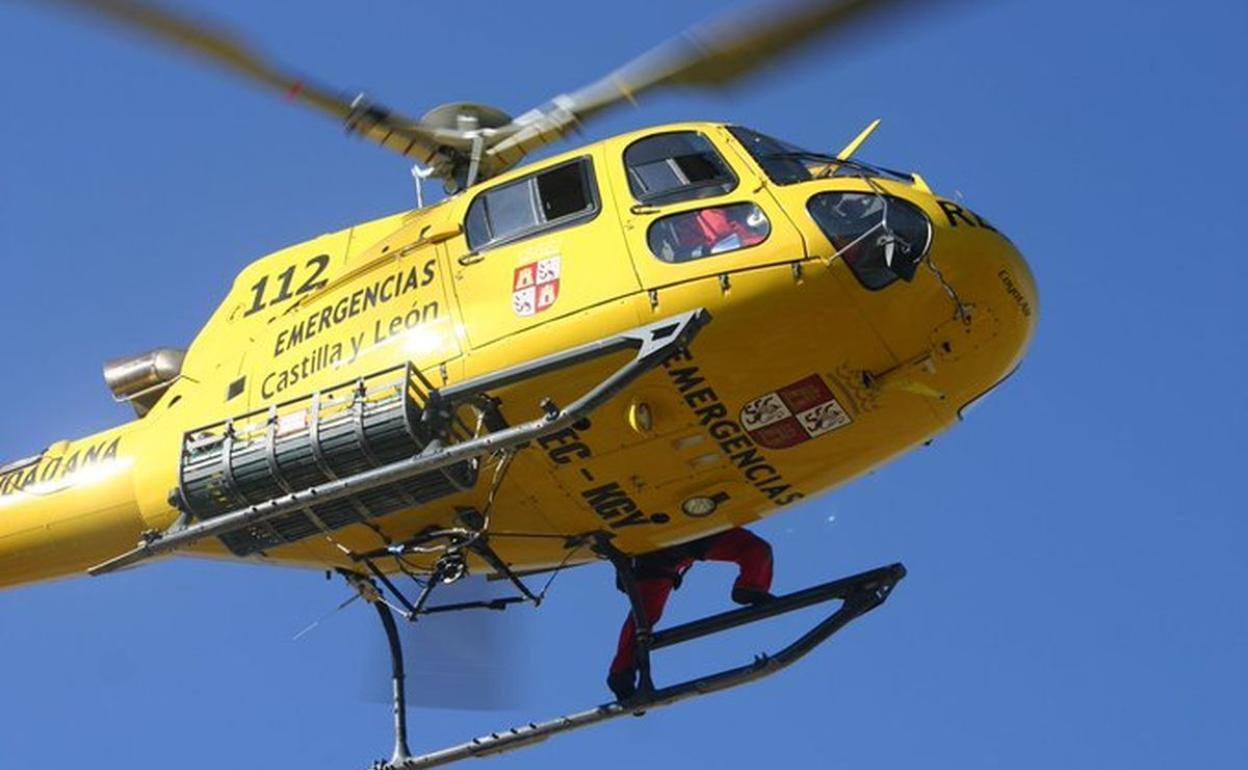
column 478, row 544
column 654, row 343
column 860, row 594
column 481, row 547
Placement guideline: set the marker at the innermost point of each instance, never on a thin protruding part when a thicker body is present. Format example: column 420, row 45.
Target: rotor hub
column 465, row 116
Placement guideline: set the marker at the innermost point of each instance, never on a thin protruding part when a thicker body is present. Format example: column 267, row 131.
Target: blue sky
column 1076, row 549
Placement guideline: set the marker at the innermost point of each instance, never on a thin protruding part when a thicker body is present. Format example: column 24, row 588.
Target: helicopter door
column 535, row 249
column 691, row 214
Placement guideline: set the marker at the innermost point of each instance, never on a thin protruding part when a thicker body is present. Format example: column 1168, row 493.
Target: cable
column 559, row 569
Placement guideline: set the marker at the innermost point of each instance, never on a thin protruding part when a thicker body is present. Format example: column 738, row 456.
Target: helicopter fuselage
column 827, row 354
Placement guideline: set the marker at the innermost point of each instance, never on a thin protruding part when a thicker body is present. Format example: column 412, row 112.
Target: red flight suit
column 708, row 227
column 659, row 573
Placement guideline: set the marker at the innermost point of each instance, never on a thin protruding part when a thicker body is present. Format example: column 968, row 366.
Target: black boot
column 751, row 596
column 623, row 683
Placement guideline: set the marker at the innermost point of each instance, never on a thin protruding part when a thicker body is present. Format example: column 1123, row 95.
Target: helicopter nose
column 957, row 317
column 992, row 291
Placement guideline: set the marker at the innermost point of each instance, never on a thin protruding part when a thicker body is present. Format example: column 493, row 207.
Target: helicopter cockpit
column 880, row 237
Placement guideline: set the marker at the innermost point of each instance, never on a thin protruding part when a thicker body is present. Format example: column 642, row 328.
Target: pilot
column 660, row 572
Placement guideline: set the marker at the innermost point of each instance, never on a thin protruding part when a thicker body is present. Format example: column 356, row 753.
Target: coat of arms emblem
column 794, row 414
column 535, row 287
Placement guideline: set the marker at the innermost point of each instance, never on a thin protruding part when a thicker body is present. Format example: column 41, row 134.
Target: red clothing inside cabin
column 710, row 227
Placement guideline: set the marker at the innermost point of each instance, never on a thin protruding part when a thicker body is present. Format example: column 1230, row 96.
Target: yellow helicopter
column 622, row 347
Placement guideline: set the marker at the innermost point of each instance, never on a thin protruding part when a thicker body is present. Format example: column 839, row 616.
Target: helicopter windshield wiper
column 797, row 155
column 871, row 168
column 835, row 163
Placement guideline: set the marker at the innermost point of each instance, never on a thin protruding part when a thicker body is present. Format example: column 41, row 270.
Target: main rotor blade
column 222, row 47
column 708, row 56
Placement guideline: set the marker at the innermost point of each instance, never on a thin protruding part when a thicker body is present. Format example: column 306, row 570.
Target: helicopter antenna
column 419, row 175
column 858, row 141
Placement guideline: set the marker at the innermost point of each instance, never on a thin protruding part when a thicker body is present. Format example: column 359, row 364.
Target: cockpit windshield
column 787, row 164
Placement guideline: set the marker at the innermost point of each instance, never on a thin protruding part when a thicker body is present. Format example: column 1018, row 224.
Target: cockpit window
column 781, row 161
column 701, row 233
column 679, row 166
column 538, row 203
column 787, row 164
column 881, row 238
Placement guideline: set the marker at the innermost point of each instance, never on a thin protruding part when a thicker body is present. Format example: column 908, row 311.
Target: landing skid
column 859, row 595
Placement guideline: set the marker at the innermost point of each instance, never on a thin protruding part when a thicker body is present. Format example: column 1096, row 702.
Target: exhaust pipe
column 143, row 379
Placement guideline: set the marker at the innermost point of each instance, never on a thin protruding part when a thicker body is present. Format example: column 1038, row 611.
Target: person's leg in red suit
column 748, row 551
column 753, row 555
column 654, row 592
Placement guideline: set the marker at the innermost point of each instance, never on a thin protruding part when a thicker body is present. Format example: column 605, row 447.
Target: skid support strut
column 449, row 569
column 398, row 677
column 858, row 595
column 369, row 592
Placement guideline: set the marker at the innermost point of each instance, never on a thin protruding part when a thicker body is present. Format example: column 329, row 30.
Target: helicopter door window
column 562, row 193
column 477, row 225
column 536, row 204
column 679, row 166
column 512, row 209
column 692, row 235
